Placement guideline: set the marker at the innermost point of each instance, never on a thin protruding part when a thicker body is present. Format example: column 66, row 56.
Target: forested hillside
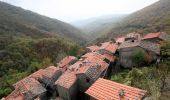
column 153, row 18
column 29, row 41
column 18, row 21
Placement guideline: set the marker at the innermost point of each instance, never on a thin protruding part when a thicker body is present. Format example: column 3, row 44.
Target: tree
column 138, row 56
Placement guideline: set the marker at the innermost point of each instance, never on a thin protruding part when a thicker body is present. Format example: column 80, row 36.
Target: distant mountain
column 155, row 17
column 16, row 20
column 97, row 26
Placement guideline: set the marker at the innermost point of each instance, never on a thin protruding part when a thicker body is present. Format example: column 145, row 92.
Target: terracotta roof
column 109, row 57
column 65, row 61
column 120, row 39
column 67, row 79
column 50, row 71
column 152, row 35
column 104, row 89
column 15, row 95
column 93, row 48
column 101, row 56
column 109, row 46
column 83, row 68
column 38, row 74
column 30, row 86
column 75, row 66
column 97, row 60
column 47, row 72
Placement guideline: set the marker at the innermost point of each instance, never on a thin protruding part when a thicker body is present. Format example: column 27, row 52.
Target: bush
column 138, row 56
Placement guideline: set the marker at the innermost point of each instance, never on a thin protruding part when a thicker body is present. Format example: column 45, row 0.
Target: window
column 87, row 80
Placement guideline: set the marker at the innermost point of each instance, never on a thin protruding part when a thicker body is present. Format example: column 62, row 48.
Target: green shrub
column 138, row 56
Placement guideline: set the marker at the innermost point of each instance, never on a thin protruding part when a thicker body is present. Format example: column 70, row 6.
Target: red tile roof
column 15, row 95
column 97, row 60
column 120, row 39
column 101, row 56
column 65, row 61
column 109, row 57
column 38, row 74
column 83, row 69
column 109, row 46
column 93, row 48
column 152, row 35
column 29, row 84
column 104, row 89
column 67, row 79
column 29, row 87
column 48, row 72
column 75, row 66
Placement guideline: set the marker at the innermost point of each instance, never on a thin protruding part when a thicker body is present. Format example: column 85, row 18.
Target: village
column 87, row 78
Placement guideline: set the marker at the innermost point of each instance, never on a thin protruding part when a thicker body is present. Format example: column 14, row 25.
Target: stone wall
column 84, row 82
column 164, row 36
column 68, row 94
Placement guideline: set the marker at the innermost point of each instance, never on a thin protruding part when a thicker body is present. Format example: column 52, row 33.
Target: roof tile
column 109, row 46
column 67, row 79
column 93, row 48
column 152, row 35
column 104, row 89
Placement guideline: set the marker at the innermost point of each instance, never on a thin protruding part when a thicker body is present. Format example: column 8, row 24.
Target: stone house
column 47, row 76
column 88, row 73
column 66, row 86
column 65, row 62
column 156, row 37
column 103, row 65
column 104, row 89
column 126, row 51
column 27, row 89
column 105, row 57
column 133, row 37
column 120, row 40
column 108, row 47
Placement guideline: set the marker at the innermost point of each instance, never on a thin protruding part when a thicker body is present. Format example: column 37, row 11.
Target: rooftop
column 154, row 47
column 93, row 48
column 109, row 46
column 65, row 61
column 15, row 95
column 47, row 72
column 104, row 89
column 98, row 61
column 30, row 85
column 67, row 79
column 152, row 35
column 120, row 39
column 101, row 56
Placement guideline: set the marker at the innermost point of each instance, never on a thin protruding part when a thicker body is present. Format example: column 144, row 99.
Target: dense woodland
column 20, row 56
column 29, row 41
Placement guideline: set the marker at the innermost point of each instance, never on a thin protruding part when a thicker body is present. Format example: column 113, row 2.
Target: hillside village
column 87, row 78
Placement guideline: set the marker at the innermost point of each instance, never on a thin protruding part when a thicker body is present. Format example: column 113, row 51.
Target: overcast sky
column 72, row 10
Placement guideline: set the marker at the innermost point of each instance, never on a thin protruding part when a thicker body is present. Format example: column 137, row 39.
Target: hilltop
column 17, row 21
